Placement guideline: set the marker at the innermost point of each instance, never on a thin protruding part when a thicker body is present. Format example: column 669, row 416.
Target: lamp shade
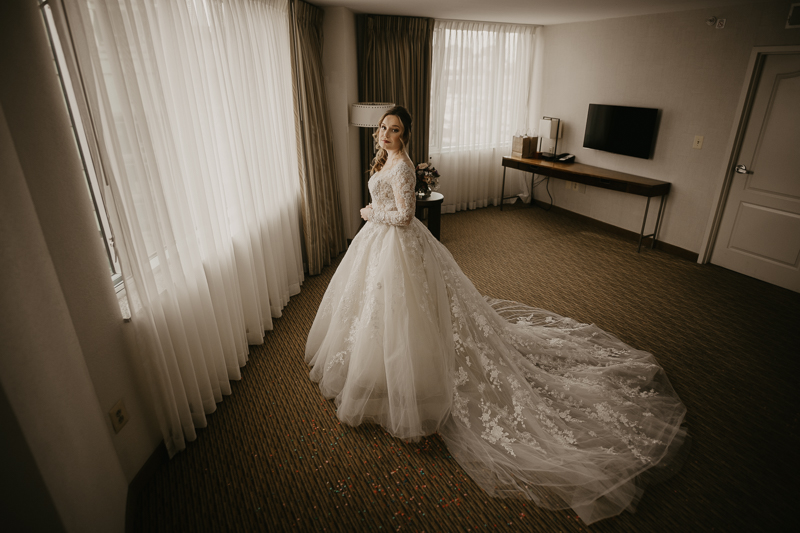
column 368, row 114
column 548, row 128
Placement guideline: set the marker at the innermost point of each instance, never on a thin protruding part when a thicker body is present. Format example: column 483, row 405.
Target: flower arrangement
column 427, row 179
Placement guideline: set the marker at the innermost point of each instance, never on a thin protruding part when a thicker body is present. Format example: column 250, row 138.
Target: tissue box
column 524, row 147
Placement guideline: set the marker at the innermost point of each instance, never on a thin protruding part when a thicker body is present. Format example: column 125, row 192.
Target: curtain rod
column 489, row 22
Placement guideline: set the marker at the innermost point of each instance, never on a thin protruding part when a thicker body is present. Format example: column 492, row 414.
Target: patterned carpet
column 274, row 456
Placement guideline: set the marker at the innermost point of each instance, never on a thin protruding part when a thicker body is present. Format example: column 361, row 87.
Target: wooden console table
column 596, row 177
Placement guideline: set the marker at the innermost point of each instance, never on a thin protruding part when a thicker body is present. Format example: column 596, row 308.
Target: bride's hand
column 366, row 213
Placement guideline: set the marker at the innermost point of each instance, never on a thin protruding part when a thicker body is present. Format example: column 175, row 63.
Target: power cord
column 546, row 187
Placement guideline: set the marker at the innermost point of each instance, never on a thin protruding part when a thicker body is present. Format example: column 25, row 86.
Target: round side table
column 434, row 205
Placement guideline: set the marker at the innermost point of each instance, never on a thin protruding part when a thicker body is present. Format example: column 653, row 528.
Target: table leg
column 435, row 219
column 658, row 220
column 644, row 221
column 503, row 190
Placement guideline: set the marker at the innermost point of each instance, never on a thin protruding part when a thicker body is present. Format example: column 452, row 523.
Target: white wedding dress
column 530, row 404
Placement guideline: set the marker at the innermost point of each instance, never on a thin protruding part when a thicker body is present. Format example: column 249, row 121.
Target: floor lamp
column 367, row 115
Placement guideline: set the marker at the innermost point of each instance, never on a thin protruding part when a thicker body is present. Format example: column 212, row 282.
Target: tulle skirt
column 531, row 404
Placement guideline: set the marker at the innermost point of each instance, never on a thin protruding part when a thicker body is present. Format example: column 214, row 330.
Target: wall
column 340, row 67
column 64, row 362
column 24, row 497
column 43, row 373
column 674, row 61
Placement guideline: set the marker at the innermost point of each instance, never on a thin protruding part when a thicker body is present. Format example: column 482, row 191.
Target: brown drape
column 394, row 60
column 323, row 231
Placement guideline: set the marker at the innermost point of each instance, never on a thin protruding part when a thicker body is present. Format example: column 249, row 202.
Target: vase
column 423, row 193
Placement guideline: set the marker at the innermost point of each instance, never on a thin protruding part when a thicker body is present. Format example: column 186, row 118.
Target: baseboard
column 632, row 235
column 158, row 458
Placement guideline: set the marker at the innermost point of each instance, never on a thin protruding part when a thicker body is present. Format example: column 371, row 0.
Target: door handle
column 741, row 169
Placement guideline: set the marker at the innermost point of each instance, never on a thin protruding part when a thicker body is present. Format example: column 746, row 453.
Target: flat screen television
column 621, row 129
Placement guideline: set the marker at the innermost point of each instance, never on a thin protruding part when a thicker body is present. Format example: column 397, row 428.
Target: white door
column 759, row 234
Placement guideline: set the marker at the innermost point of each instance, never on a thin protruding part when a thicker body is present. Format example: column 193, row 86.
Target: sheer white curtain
column 483, row 92
column 190, row 107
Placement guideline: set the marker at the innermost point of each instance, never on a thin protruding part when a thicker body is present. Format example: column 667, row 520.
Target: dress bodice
column 393, row 199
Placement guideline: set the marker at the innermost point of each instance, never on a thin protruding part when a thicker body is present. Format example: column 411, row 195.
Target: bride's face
column 391, row 133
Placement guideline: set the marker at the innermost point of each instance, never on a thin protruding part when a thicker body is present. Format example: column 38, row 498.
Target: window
column 481, row 84
column 93, row 186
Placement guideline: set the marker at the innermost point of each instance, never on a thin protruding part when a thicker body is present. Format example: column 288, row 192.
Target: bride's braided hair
column 381, row 154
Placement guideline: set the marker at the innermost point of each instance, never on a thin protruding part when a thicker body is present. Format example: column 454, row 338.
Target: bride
column 530, row 404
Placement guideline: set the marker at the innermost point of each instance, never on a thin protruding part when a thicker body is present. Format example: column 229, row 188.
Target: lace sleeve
column 404, row 198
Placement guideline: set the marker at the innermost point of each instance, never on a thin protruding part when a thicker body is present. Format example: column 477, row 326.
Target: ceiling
column 526, row 11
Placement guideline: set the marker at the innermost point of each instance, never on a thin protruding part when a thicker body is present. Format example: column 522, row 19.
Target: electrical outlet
column 698, row 142
column 575, row 185
column 119, row 416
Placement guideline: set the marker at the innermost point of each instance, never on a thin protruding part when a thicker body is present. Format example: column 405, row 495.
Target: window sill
column 122, row 297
